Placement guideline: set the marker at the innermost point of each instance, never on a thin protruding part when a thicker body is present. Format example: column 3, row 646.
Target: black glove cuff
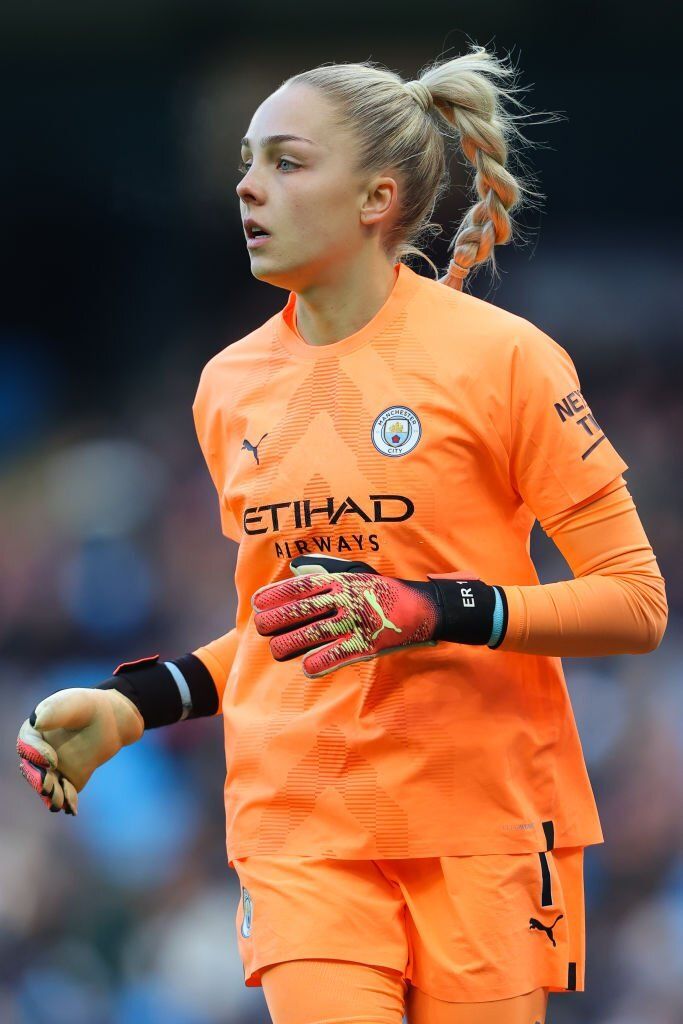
column 154, row 691
column 466, row 611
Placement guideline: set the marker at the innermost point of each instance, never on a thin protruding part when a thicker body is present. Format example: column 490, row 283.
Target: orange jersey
column 428, row 441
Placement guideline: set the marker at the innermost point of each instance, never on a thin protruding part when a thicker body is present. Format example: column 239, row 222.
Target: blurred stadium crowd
column 127, row 276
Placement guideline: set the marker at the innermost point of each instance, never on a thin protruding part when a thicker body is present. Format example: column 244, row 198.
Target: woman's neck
column 330, row 311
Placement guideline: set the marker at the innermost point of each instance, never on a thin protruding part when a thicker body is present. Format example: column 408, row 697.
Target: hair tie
column 455, row 270
column 421, row 93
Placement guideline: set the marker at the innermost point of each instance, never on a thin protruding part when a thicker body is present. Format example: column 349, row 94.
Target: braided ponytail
column 466, row 96
column 404, row 126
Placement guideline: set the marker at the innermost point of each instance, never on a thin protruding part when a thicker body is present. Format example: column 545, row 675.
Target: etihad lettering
column 305, row 513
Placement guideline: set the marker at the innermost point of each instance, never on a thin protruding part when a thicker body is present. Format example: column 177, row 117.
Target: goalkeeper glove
column 74, row 731
column 342, row 612
column 69, row 735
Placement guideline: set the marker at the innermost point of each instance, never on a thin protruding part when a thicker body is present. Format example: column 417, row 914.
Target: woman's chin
column 261, row 269
column 270, row 273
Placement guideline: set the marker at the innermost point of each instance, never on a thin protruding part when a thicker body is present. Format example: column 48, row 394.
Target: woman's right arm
column 72, row 732
column 218, row 656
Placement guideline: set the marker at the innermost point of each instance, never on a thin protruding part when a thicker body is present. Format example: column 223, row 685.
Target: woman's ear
column 380, row 202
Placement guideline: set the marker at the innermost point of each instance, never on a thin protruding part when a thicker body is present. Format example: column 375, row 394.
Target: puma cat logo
column 253, row 448
column 548, row 929
column 386, row 623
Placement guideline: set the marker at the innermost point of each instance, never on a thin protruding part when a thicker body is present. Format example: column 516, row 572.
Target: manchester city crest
column 396, row 431
column 247, row 914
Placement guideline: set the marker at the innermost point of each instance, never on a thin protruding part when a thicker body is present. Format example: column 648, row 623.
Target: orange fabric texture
column 332, row 992
column 428, row 441
column 218, row 656
column 616, row 605
column 463, row 929
column 424, row 1009
column 341, row 992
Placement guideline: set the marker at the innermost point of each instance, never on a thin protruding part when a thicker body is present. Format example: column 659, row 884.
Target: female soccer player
column 406, row 798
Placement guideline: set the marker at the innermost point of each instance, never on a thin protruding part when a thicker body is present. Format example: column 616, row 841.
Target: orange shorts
column 462, row 929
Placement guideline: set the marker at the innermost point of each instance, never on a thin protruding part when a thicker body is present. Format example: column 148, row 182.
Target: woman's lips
column 253, row 243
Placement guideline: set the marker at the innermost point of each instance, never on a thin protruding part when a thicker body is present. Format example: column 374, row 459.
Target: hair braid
column 404, row 126
column 466, row 95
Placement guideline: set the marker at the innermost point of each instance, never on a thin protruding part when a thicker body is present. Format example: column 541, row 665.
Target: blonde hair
column 404, row 125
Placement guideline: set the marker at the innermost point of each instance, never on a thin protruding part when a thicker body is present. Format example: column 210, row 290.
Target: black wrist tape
column 154, row 691
column 466, row 611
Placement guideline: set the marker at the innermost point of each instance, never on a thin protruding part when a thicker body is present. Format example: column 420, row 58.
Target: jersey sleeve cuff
column 515, row 634
column 500, row 619
column 218, row 673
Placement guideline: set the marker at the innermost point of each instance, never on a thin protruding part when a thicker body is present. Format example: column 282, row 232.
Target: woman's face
column 317, row 211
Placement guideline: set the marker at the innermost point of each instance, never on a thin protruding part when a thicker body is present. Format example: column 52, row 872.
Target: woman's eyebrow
column 273, row 140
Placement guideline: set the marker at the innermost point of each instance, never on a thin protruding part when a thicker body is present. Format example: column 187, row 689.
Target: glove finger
column 32, row 745
column 327, row 659
column 33, row 773
column 323, row 660
column 297, row 641
column 348, row 651
column 306, row 568
column 326, row 563
column 66, row 709
column 47, row 783
column 56, row 801
column 295, row 613
column 70, row 796
column 291, row 589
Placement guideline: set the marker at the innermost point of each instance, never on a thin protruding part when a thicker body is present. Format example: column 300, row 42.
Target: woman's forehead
column 293, row 110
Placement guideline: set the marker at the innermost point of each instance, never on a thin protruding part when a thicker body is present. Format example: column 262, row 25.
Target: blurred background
column 123, row 270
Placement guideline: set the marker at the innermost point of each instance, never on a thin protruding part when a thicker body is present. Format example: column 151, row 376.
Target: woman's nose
column 247, row 188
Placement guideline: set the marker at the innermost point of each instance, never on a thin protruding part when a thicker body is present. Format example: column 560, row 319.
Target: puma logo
column 548, row 929
column 386, row 623
column 253, row 448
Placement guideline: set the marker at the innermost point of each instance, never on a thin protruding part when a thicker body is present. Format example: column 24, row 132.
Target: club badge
column 396, row 431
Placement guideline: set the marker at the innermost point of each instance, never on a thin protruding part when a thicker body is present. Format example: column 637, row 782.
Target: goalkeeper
column 406, row 799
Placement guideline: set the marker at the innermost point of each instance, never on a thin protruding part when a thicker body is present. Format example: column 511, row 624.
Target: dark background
column 123, row 270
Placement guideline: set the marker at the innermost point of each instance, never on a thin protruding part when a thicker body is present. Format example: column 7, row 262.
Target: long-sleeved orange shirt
column 615, row 605
column 428, row 441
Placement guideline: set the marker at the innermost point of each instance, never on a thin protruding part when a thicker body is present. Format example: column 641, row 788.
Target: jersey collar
column 405, row 284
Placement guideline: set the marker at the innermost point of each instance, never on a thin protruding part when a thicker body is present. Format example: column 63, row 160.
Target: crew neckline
column 405, row 283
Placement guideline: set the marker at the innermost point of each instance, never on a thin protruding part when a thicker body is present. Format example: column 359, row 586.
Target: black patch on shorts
column 549, row 830
column 547, row 888
column 571, row 978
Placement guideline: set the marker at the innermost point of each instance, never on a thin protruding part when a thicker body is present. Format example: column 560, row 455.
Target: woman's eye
column 243, row 167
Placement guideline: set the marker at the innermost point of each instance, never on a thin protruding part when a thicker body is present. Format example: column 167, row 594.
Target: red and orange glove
column 342, row 611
